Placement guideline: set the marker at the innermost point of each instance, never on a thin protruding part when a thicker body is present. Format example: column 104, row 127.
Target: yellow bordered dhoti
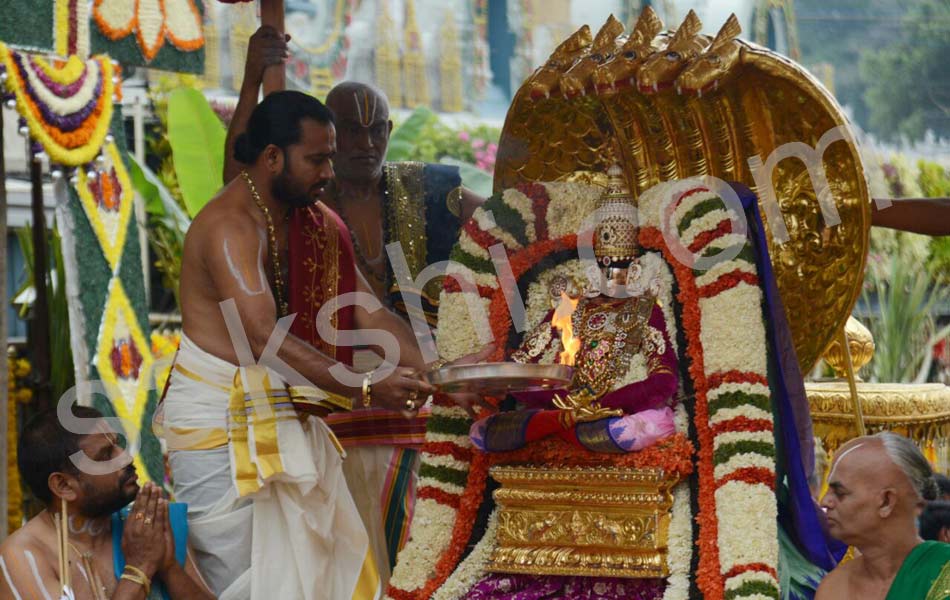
column 270, row 515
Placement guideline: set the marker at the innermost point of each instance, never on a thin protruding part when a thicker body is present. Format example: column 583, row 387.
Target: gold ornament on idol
column 274, row 251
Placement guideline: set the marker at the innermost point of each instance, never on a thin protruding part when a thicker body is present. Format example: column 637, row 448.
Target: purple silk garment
column 529, row 587
column 795, row 440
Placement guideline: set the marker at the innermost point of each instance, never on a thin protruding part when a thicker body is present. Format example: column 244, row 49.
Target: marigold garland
column 18, row 392
column 738, row 446
column 181, row 24
column 708, row 578
column 70, row 135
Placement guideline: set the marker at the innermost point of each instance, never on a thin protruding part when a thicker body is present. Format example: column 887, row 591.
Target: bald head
column 361, row 112
column 877, row 483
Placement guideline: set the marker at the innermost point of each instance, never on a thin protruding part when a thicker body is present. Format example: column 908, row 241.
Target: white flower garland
column 757, row 542
column 523, row 206
column 720, row 269
column 464, row 337
column 181, row 22
column 471, row 570
column 707, row 222
column 731, row 334
column 429, row 537
column 679, row 543
column 572, row 203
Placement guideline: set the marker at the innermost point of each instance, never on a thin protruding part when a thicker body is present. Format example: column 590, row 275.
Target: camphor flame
column 562, row 321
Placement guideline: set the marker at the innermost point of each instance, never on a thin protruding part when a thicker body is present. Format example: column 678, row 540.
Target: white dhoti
column 270, row 515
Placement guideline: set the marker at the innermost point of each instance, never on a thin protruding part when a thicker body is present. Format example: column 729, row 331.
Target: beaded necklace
column 282, row 307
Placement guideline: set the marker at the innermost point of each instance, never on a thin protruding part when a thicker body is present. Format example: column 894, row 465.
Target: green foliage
column 423, row 137
column 908, row 80
column 902, row 322
column 62, row 375
column 168, row 224
column 840, row 33
column 196, row 136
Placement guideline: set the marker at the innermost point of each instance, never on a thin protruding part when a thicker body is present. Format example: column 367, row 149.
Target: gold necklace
column 274, row 250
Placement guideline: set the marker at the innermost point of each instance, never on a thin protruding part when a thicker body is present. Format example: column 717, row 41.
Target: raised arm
column 265, row 48
column 928, row 216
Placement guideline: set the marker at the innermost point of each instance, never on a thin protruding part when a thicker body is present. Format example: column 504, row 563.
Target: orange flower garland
column 71, row 148
column 708, row 577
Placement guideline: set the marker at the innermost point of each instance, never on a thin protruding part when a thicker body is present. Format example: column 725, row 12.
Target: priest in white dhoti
column 270, row 515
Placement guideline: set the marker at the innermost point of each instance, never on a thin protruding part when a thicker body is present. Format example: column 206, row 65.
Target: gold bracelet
column 367, row 390
column 438, row 364
column 137, row 571
column 146, row 586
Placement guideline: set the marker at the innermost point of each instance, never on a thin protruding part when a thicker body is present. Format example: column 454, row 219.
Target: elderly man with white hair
column 877, row 487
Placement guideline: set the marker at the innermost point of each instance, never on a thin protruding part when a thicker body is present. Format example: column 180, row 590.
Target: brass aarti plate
column 499, row 378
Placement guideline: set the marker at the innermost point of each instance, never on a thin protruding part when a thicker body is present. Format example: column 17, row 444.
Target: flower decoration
column 730, row 462
column 68, row 108
column 153, row 21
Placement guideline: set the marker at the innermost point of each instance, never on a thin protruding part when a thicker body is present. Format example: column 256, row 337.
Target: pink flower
column 478, row 144
column 464, row 136
column 492, row 148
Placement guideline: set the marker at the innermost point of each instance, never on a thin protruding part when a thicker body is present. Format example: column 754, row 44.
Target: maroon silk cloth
column 322, row 267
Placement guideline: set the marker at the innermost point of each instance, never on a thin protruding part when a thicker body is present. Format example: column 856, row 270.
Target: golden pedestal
column 603, row 521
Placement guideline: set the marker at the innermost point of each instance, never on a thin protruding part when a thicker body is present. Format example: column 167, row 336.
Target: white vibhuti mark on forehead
column 838, row 460
column 239, row 277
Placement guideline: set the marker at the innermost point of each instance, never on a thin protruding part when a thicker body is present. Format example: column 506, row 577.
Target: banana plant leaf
column 62, row 375
column 404, row 139
column 473, row 178
column 158, row 200
column 196, row 136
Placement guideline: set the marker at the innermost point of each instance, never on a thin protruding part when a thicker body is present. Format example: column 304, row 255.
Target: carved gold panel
column 602, row 521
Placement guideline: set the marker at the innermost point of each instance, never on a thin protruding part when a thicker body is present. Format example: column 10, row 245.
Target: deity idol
column 613, row 331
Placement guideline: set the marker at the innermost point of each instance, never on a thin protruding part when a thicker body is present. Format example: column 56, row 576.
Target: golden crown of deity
column 615, row 237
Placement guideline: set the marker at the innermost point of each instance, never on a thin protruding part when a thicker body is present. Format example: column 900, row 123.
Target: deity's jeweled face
column 363, row 126
column 307, row 166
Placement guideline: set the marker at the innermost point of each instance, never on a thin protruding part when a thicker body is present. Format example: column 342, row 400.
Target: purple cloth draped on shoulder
column 798, row 512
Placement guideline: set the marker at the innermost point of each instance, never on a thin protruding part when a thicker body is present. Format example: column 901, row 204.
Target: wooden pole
column 40, row 325
column 272, row 13
column 4, row 383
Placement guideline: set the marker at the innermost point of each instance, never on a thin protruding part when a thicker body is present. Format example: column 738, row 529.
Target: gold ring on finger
column 139, row 516
column 410, row 405
column 147, row 520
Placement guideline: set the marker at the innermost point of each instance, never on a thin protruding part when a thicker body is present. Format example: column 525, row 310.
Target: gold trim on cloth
column 256, row 411
column 940, row 590
column 367, row 586
column 453, row 202
column 590, row 521
column 196, row 377
column 407, row 218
